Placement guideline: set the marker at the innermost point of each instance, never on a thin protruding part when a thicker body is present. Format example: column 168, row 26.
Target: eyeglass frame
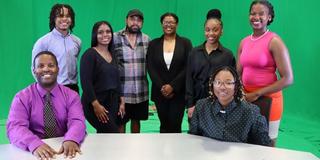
column 227, row 84
column 167, row 23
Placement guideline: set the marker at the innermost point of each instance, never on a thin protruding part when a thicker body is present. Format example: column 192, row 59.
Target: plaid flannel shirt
column 132, row 63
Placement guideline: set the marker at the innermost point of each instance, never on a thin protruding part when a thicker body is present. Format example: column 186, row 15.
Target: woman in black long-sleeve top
column 100, row 80
column 166, row 59
column 205, row 59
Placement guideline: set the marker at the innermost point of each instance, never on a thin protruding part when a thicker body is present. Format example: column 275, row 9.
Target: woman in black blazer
column 167, row 59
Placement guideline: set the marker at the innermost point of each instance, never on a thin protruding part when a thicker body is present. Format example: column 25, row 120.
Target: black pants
column 110, row 100
column 170, row 113
column 74, row 87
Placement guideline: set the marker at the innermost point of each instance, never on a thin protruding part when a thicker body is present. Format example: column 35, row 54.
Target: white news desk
column 162, row 147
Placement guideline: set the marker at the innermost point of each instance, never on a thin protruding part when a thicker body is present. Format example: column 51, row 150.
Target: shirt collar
column 56, row 32
column 43, row 92
column 122, row 32
column 203, row 47
column 217, row 107
column 162, row 36
column 126, row 41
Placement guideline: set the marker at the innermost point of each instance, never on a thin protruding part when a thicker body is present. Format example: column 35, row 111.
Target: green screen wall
column 297, row 22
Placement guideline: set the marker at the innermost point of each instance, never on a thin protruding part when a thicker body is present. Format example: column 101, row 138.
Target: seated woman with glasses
column 225, row 115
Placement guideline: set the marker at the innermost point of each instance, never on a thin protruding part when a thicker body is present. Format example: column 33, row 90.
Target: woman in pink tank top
column 260, row 55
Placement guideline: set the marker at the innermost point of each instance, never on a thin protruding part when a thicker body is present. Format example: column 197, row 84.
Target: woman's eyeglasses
column 227, row 84
column 167, row 23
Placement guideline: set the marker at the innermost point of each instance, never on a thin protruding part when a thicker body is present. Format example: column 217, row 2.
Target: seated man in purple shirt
column 46, row 109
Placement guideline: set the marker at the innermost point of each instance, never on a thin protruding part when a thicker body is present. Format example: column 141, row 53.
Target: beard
column 131, row 29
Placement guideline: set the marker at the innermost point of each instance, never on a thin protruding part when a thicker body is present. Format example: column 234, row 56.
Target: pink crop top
column 258, row 65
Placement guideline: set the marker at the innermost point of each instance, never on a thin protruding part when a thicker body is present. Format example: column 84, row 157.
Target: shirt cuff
column 76, row 138
column 35, row 145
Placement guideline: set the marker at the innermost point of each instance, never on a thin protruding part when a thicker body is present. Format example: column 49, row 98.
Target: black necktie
column 49, row 118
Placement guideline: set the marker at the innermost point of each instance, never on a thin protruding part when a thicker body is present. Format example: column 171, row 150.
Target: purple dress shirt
column 25, row 126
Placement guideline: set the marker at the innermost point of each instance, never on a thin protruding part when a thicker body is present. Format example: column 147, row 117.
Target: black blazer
column 157, row 68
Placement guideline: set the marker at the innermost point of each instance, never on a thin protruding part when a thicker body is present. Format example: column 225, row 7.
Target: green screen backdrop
column 297, row 22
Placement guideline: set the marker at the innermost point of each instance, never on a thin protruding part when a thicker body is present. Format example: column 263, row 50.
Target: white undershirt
column 168, row 58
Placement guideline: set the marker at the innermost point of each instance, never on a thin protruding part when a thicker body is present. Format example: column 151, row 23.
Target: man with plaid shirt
column 130, row 48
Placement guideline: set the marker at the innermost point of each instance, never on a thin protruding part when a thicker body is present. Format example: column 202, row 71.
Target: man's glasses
column 227, row 84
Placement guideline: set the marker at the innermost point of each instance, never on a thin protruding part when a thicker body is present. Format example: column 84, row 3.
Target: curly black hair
column 56, row 11
column 268, row 5
column 214, row 14
column 238, row 93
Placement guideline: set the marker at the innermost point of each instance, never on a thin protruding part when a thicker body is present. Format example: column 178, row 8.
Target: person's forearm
column 275, row 87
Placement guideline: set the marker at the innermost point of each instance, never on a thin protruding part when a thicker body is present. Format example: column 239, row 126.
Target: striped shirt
column 132, row 63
